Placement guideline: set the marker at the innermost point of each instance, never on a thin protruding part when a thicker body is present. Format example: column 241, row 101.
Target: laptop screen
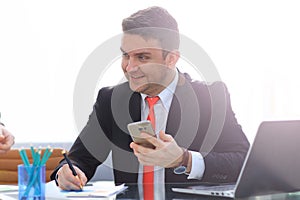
column 273, row 162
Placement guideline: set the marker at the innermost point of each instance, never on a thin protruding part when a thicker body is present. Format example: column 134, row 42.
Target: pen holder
column 31, row 181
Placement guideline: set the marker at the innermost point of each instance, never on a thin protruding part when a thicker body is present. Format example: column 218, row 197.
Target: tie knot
column 152, row 100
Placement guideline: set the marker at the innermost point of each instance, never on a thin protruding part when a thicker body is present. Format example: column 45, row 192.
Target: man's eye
column 143, row 58
column 125, row 55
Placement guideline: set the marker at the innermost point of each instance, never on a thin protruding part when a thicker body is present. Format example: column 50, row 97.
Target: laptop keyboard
column 216, row 188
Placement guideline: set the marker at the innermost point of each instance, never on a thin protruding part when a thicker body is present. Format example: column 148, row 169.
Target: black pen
column 71, row 167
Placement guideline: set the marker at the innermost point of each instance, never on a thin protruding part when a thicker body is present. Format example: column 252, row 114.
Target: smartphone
column 136, row 128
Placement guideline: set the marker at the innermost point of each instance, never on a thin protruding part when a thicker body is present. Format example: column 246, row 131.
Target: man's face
column 144, row 66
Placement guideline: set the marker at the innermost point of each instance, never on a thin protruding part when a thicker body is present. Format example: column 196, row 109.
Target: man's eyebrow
column 135, row 54
column 142, row 53
column 124, row 52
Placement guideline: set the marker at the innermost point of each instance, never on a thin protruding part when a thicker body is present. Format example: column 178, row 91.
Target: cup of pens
column 32, row 177
column 31, row 181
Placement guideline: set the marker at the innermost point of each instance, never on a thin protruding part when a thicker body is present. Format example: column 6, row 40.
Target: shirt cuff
column 56, row 179
column 198, row 166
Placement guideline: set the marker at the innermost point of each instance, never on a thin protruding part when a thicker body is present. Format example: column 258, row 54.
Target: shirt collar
column 166, row 95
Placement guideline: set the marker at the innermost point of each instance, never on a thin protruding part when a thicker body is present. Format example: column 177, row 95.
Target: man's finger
column 165, row 137
column 81, row 176
column 151, row 139
column 66, row 180
column 2, row 137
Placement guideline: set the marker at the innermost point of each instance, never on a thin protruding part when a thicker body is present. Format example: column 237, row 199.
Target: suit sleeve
column 92, row 146
column 225, row 159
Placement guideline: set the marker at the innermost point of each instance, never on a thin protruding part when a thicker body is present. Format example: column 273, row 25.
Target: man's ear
column 172, row 58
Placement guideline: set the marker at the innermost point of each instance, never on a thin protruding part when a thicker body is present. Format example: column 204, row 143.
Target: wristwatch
column 181, row 169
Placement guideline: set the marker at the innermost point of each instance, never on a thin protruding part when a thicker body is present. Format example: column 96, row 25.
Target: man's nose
column 132, row 65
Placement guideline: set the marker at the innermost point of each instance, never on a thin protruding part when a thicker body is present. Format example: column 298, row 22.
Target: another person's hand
column 67, row 181
column 166, row 154
column 6, row 140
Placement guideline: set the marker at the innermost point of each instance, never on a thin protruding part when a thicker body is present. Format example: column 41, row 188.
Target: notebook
column 272, row 164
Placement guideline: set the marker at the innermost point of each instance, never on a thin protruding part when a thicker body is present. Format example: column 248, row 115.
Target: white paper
column 53, row 192
column 5, row 197
column 105, row 189
column 98, row 189
column 8, row 188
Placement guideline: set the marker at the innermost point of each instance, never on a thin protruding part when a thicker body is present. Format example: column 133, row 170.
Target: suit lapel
column 173, row 117
column 184, row 113
column 173, row 120
column 135, row 107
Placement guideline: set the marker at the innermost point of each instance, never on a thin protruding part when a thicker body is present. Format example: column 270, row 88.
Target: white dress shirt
column 161, row 110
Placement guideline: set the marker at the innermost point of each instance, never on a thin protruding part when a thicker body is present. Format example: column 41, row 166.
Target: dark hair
column 154, row 22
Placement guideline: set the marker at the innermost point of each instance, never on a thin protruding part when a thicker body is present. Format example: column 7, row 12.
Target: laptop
column 272, row 164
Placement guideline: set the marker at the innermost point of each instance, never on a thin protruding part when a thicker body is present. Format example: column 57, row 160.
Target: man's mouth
column 136, row 77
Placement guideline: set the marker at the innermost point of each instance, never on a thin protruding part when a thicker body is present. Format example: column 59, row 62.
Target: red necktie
column 148, row 175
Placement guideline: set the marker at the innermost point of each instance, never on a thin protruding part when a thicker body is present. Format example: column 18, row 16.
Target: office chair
column 9, row 164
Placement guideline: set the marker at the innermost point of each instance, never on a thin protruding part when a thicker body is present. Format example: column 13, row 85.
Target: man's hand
column 67, row 181
column 166, row 154
column 6, row 140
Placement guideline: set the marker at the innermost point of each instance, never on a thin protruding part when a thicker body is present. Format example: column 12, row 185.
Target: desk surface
column 132, row 193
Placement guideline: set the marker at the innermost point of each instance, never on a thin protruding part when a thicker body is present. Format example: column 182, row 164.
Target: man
column 6, row 139
column 198, row 137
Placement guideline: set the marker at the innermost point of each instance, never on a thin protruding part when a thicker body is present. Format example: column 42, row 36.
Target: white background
column 255, row 46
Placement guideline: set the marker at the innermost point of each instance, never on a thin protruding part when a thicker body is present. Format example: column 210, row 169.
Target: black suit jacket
column 200, row 119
